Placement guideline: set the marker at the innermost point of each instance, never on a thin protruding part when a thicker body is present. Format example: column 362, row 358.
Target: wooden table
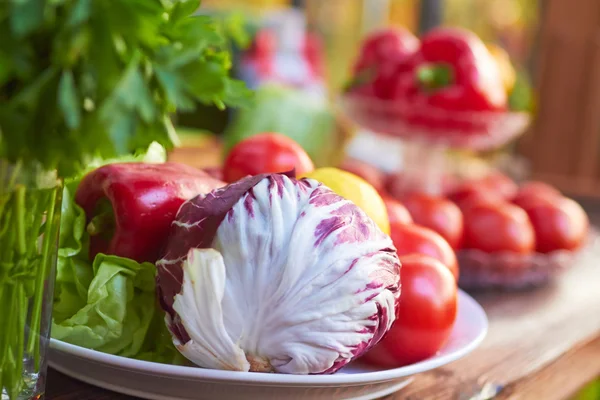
column 542, row 345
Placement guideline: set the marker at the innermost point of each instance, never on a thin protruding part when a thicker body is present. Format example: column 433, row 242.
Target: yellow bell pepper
column 355, row 189
column 509, row 75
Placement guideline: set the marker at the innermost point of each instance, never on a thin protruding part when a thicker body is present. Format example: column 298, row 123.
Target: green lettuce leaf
column 155, row 153
column 118, row 310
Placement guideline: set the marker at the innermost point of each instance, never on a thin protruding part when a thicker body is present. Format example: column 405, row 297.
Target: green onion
column 29, row 222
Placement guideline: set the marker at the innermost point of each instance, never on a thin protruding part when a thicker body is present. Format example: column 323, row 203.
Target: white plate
column 167, row 382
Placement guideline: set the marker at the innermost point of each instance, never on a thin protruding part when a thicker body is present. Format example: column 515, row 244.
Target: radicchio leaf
column 293, row 278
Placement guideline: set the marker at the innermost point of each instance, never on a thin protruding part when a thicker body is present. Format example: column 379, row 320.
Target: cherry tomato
column 366, row 171
column 265, row 153
column 558, row 222
column 385, row 44
column 533, row 190
column 493, row 226
column 438, row 214
column 426, row 314
column 397, row 213
column 410, row 239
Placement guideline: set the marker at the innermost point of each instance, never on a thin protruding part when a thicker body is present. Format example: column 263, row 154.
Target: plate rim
column 189, row 372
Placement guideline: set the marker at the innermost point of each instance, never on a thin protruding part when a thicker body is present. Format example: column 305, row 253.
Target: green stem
column 15, row 174
column 5, row 350
column 21, row 226
column 19, row 333
column 25, row 265
column 3, row 338
column 102, row 224
column 33, row 345
column 435, row 76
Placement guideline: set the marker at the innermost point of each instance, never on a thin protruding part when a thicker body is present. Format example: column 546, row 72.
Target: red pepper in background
column 452, row 71
column 384, row 46
column 382, row 54
column 130, row 206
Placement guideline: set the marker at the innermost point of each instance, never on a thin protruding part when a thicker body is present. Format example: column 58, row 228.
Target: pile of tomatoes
column 491, row 214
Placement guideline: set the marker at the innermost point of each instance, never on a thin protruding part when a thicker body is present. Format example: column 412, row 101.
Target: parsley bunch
column 81, row 79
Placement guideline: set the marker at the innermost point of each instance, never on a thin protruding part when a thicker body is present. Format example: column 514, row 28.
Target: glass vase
column 30, row 206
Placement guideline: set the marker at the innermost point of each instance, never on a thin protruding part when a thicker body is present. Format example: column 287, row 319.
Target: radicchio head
column 274, row 274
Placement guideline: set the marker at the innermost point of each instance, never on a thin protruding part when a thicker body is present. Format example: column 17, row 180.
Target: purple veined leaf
column 275, row 274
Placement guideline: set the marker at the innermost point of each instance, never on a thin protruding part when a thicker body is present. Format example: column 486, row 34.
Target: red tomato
column 498, row 226
column 410, row 239
column 534, row 190
column 477, row 197
column 500, row 184
column 397, row 213
column 265, row 153
column 558, row 222
column 399, row 186
column 426, row 314
column 468, row 189
column 384, row 45
column 494, row 184
column 438, row 214
column 366, row 171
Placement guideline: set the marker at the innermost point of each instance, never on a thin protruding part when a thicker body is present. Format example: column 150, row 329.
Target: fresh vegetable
column 81, row 79
column 382, row 54
column 108, row 305
column 410, row 239
column 255, row 269
column 469, row 189
column 453, row 71
column 356, row 190
column 495, row 184
column 385, row 46
column 507, row 70
column 533, row 190
column 426, row 314
column 366, row 171
column 438, row 214
column 495, row 226
column 558, row 222
column 265, row 153
column 499, row 184
column 130, row 206
column 397, row 212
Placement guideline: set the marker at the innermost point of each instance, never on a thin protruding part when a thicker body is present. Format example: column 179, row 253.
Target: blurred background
column 553, row 46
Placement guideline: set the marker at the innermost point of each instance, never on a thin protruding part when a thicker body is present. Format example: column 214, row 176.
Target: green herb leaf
column 68, row 100
column 183, row 9
column 81, row 79
column 26, row 16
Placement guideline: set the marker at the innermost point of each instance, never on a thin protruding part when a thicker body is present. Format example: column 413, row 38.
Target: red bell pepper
column 130, row 206
column 382, row 53
column 452, row 71
column 384, row 46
